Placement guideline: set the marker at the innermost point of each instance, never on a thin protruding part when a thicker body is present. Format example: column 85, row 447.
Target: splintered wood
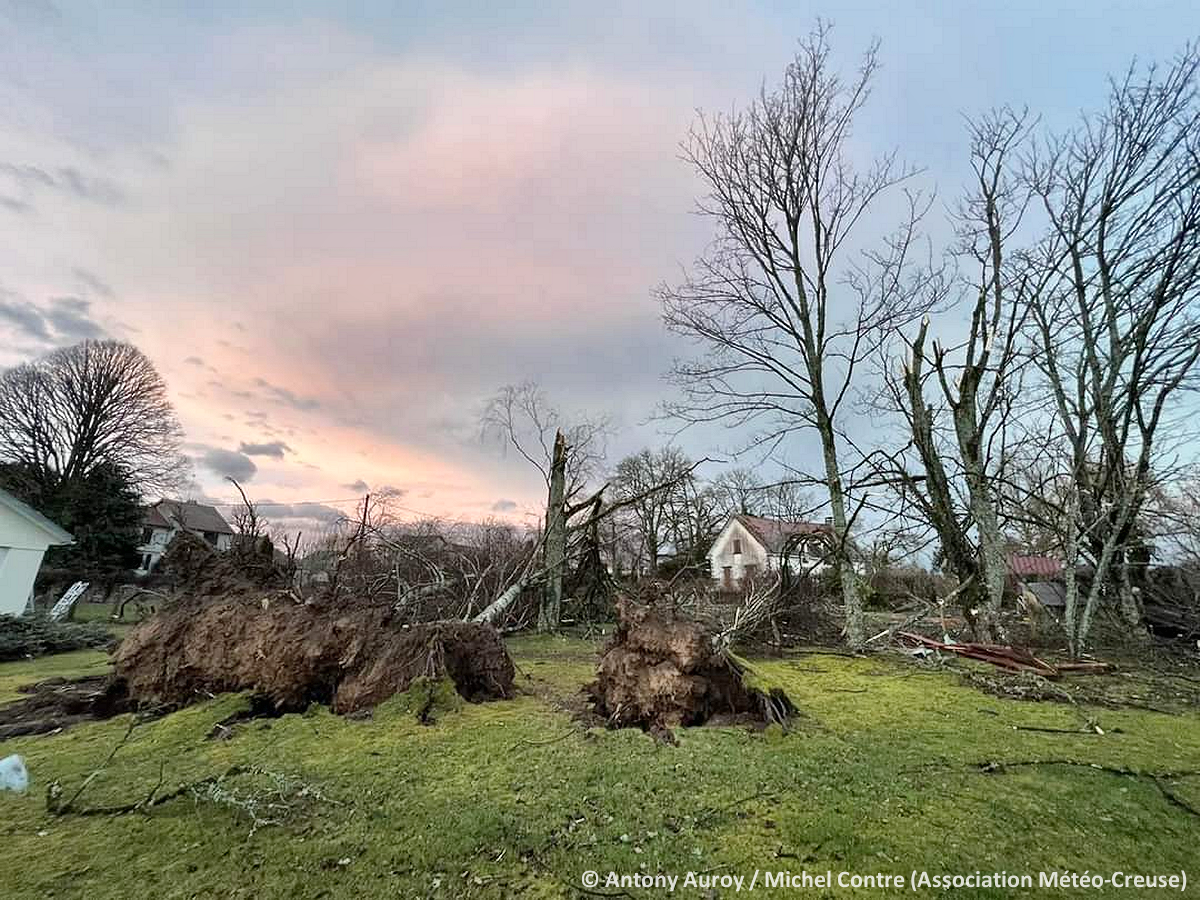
column 1012, row 659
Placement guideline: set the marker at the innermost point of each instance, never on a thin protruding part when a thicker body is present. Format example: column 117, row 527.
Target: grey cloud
column 504, row 506
column 89, row 187
column 359, row 486
column 93, row 283
column 31, row 12
column 318, row 511
column 194, row 361
column 287, row 397
column 71, row 318
column 25, row 317
column 228, row 463
column 26, row 180
column 274, row 449
column 63, row 320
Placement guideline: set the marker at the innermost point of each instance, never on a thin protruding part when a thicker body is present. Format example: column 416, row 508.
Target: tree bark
column 556, row 538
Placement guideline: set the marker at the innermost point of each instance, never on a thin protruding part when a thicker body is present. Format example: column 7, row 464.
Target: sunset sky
column 336, row 234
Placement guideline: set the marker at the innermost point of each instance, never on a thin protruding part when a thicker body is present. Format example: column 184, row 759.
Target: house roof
column 1026, row 566
column 57, row 534
column 773, row 534
column 187, row 514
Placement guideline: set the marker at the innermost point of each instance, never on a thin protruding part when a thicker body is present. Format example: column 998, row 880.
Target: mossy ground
column 515, row 798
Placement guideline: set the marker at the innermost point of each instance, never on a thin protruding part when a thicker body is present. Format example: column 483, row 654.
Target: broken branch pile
column 1012, row 659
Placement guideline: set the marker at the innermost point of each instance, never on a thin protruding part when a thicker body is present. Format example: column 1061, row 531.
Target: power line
column 257, row 503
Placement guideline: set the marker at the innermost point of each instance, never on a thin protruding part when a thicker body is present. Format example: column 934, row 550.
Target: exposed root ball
column 351, row 658
column 661, row 670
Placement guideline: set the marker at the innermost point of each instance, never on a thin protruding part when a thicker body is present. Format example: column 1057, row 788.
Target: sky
column 338, row 229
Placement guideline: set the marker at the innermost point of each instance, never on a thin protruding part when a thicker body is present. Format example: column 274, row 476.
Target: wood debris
column 1012, row 659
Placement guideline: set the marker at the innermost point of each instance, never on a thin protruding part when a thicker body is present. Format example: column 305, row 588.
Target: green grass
column 515, row 799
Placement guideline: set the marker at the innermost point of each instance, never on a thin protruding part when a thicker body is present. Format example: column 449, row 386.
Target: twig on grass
column 736, row 803
column 525, row 742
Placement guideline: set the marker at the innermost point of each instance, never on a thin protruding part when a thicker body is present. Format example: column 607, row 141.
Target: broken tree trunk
column 556, row 538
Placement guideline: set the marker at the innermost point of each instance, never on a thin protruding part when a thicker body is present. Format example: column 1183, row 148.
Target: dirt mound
column 661, row 670
column 193, row 565
column 351, row 657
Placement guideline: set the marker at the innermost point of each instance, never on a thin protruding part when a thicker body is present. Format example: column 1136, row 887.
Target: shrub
column 25, row 636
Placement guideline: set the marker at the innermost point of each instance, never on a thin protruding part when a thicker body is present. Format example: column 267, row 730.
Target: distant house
column 1041, row 576
column 25, row 534
column 166, row 518
column 750, row 545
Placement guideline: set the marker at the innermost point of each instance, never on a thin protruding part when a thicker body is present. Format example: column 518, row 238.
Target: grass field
column 881, row 773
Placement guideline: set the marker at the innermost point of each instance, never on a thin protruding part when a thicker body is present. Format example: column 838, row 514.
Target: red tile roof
column 773, row 534
column 1025, row 566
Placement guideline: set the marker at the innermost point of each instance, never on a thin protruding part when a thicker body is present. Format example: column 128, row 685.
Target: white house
column 166, row 518
column 24, row 536
column 750, row 545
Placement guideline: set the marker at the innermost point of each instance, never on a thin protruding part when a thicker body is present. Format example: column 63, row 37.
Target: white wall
column 156, row 546
column 722, row 554
column 21, row 547
column 18, row 532
column 18, row 569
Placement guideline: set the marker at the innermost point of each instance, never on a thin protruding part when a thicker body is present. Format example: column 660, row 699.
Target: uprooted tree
column 662, row 669
column 235, row 624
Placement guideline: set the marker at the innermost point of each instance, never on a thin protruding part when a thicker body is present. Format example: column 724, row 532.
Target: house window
column 751, row 571
column 146, row 560
column 737, row 546
column 147, row 534
column 211, row 537
column 727, row 576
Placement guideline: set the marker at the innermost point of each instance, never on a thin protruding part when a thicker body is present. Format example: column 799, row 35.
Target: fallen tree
column 662, row 670
column 352, row 657
column 237, row 627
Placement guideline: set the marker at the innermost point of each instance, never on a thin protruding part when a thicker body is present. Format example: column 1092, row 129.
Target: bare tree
column 524, row 419
column 97, row 402
column 1116, row 318
column 653, row 512
column 783, row 322
column 694, row 518
column 738, row 492
column 245, row 516
column 959, row 435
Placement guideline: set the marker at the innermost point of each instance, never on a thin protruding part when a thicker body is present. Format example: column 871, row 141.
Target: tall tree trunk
column 1130, row 604
column 991, row 564
column 556, row 538
column 851, row 601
